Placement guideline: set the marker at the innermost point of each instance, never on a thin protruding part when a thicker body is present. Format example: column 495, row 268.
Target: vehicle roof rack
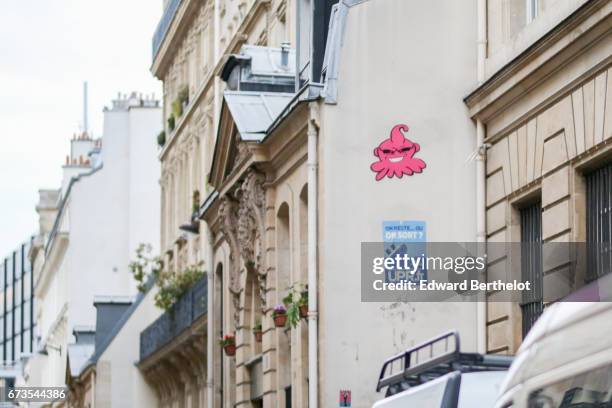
column 432, row 359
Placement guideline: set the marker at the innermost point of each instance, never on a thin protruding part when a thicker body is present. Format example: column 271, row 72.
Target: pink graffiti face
column 396, row 156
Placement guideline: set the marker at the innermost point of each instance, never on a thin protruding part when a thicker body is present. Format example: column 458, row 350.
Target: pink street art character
column 396, row 156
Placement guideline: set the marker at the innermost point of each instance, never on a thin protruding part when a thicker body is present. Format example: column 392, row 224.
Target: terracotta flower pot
column 280, row 320
column 258, row 335
column 303, row 311
column 230, row 350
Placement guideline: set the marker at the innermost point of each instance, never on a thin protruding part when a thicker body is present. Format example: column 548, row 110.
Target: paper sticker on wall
column 405, row 237
column 396, row 156
column 345, row 398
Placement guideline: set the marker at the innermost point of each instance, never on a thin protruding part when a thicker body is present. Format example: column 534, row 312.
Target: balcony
column 191, row 306
column 164, row 25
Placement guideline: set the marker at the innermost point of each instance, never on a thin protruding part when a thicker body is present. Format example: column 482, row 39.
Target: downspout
column 313, row 346
column 210, row 384
column 480, row 171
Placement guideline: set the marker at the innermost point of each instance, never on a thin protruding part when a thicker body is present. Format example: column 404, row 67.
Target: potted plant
column 183, row 96
column 195, row 199
column 161, row 139
column 177, row 108
column 228, row 342
column 303, row 304
column 257, row 331
column 171, row 122
column 280, row 315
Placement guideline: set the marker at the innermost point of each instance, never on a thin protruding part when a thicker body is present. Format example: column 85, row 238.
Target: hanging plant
column 195, row 199
column 257, row 332
column 296, row 303
column 303, row 303
column 171, row 122
column 172, row 285
column 161, row 139
column 183, row 95
column 177, row 108
column 279, row 314
column 228, row 342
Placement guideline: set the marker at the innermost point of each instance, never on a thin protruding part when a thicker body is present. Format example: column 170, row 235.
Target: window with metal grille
column 288, row 397
column 599, row 222
column 531, row 264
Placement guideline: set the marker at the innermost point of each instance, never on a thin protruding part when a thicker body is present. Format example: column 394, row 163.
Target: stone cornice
column 180, row 25
column 198, row 100
column 559, row 46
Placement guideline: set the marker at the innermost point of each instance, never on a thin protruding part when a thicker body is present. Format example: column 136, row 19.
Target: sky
column 47, row 49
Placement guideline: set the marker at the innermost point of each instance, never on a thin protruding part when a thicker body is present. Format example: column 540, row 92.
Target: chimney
column 109, row 310
column 84, row 334
column 285, row 54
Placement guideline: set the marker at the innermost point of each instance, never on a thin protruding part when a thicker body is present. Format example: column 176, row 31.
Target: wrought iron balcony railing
column 169, row 325
column 164, row 25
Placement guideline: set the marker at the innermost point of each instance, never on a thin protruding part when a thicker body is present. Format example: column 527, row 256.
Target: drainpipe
column 312, row 164
column 480, row 171
column 210, row 384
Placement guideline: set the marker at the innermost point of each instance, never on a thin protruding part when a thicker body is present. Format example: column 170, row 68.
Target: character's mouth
column 396, row 159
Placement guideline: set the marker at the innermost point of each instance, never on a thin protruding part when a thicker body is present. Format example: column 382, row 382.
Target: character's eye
column 405, row 149
column 387, row 151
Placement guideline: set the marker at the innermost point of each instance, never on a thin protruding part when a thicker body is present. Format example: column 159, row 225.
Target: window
column 288, row 397
column 312, row 26
column 304, row 28
column 599, row 222
column 532, row 10
column 589, row 389
column 531, row 263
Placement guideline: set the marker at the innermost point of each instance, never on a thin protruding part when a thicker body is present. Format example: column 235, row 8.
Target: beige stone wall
column 259, row 228
column 546, row 156
column 191, row 61
column 509, row 32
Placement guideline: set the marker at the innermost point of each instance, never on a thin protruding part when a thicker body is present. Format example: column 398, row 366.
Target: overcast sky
column 47, row 49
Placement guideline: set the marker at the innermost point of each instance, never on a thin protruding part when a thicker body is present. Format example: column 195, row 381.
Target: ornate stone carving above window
column 243, row 225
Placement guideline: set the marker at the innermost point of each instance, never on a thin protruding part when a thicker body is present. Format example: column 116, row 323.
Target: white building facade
column 107, row 205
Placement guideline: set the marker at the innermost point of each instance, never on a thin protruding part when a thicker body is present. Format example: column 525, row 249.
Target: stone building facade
column 246, row 153
column 191, row 45
column 546, row 108
column 247, row 141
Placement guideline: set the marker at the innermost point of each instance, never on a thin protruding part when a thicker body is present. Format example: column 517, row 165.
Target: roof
column 254, row 112
column 264, row 61
column 78, row 367
column 78, row 357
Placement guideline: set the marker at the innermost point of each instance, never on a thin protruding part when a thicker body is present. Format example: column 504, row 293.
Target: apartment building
column 544, row 114
column 190, row 47
column 273, row 110
column 275, row 166
column 107, row 205
column 17, row 324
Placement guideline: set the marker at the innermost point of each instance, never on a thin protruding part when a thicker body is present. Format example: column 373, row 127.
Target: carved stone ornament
column 251, row 227
column 243, row 226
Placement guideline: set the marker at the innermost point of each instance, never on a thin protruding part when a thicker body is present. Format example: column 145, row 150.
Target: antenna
column 85, row 120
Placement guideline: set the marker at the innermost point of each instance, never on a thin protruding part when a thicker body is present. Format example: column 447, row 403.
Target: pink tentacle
column 378, row 166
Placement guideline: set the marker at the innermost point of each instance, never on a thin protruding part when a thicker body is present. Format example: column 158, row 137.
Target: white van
column 437, row 374
column 566, row 358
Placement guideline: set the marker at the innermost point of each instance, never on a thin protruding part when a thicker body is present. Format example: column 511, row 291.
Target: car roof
column 567, row 331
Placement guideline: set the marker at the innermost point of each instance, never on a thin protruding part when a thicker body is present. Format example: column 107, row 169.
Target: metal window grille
column 531, row 264
column 599, row 223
